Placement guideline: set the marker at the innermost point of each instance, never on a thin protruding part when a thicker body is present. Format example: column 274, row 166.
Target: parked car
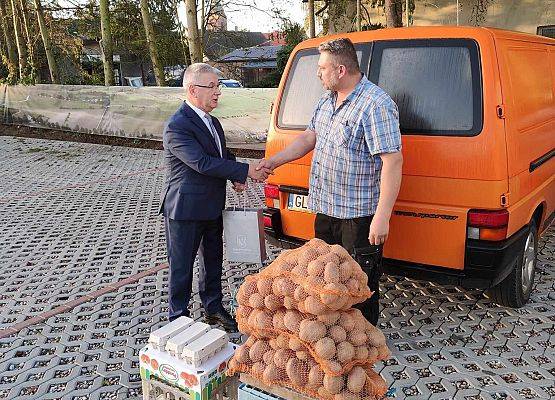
column 477, row 115
column 232, row 83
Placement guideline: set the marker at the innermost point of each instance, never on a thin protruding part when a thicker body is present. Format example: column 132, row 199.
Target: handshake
column 257, row 172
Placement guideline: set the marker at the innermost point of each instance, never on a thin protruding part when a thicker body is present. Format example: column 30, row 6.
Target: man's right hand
column 259, row 174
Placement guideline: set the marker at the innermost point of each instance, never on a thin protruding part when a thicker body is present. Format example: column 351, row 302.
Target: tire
column 514, row 291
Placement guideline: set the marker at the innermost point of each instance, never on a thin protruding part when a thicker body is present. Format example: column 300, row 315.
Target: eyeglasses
column 211, row 86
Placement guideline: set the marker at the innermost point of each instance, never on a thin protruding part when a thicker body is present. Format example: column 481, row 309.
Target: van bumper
column 486, row 263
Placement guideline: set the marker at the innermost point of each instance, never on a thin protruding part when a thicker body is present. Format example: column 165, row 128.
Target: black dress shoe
column 223, row 318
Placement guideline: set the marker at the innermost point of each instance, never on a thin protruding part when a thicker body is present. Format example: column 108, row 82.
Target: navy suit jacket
column 196, row 175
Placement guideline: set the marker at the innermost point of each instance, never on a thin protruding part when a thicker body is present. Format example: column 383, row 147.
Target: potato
column 289, row 303
column 301, row 307
column 346, row 270
column 282, row 356
column 250, row 341
column 331, row 273
column 383, row 353
column 347, row 321
column 295, row 344
column 264, row 286
column 357, row 338
column 264, row 320
column 273, row 344
column 323, row 393
column 323, row 250
column 334, row 368
column 256, row 300
column 375, row 384
column 268, row 356
column 242, row 355
column 356, row 379
column 283, row 341
column 337, row 333
column 307, row 255
column 315, row 376
column 302, row 355
column 330, row 318
column 346, row 395
column 311, row 331
column 272, row 302
column 277, row 320
column 353, row 286
column 287, row 287
column 316, row 268
column 345, row 352
column 313, row 305
column 297, row 371
column 257, row 351
column 340, row 252
column 276, row 286
column 243, row 313
column 251, row 321
column 242, row 296
column 300, row 294
column 376, row 337
column 292, row 320
column 325, row 348
column 300, row 270
column 329, row 258
column 258, row 368
column 334, row 295
column 333, row 384
column 361, row 353
column 270, row 374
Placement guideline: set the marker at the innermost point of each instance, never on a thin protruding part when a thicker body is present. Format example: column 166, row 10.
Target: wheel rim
column 528, row 262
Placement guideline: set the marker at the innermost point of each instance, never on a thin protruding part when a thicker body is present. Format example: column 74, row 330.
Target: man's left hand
column 379, row 230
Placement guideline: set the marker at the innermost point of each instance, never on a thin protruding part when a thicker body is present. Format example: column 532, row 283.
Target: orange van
column 477, row 115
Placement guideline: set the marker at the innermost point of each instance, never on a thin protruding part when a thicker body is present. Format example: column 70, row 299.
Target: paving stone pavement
column 77, row 218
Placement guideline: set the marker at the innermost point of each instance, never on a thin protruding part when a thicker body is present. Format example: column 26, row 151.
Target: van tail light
column 272, row 192
column 268, row 221
column 488, row 224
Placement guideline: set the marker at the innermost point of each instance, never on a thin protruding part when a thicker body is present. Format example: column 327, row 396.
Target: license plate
column 297, row 202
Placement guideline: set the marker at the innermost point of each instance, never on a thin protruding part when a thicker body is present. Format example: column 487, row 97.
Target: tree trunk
column 341, row 16
column 195, row 47
column 180, row 31
column 311, row 19
column 359, row 16
column 394, row 13
column 7, row 24
column 52, row 67
column 106, row 43
column 20, row 43
column 152, row 47
column 29, row 37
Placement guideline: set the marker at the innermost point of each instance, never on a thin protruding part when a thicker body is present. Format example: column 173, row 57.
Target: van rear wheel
column 514, row 291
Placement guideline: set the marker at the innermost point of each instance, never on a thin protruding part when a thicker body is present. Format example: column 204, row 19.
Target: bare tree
column 24, row 12
column 52, row 67
column 311, row 19
column 152, row 47
column 394, row 13
column 106, row 43
column 20, row 42
column 7, row 27
column 195, row 47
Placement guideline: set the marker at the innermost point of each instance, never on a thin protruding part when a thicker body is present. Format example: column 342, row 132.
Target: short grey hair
column 193, row 72
column 343, row 52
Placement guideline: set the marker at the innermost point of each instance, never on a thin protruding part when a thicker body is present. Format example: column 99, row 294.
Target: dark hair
column 344, row 53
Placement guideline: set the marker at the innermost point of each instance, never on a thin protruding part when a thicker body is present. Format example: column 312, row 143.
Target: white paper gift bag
column 244, row 235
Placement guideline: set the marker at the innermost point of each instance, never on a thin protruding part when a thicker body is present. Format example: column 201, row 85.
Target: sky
column 258, row 18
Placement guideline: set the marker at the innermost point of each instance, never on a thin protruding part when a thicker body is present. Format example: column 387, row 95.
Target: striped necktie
column 214, row 134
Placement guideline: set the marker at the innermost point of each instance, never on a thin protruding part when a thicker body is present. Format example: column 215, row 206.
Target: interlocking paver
column 79, row 218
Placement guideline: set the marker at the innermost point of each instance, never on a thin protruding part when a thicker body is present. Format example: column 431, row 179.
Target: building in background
column 250, row 64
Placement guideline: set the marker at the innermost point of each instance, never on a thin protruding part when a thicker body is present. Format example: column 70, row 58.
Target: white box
column 175, row 344
column 204, row 347
column 159, row 337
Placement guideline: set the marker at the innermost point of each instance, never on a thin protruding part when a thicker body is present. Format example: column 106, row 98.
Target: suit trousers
column 183, row 240
column 353, row 233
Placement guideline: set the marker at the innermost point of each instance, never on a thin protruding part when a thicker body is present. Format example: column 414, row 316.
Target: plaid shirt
column 346, row 167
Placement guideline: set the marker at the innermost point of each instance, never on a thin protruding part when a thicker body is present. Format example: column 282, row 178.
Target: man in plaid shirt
column 356, row 166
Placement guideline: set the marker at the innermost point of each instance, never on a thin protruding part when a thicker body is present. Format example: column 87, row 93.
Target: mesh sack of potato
column 274, row 363
column 337, row 341
column 316, row 278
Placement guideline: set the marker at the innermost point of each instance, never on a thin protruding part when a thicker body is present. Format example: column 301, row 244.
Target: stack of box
column 186, row 359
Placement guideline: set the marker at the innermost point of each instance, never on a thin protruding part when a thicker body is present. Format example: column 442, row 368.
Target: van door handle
column 501, row 111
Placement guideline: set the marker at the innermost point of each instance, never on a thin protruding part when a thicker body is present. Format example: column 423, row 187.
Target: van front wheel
column 514, row 291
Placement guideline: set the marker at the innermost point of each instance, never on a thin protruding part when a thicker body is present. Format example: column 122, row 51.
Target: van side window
column 435, row 83
column 303, row 88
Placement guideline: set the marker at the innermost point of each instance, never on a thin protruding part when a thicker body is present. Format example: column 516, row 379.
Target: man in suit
column 198, row 167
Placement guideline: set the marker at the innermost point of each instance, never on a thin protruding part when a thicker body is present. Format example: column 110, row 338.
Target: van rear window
column 435, row 83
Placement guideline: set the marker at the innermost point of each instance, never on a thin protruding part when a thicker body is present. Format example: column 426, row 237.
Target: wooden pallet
column 278, row 391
